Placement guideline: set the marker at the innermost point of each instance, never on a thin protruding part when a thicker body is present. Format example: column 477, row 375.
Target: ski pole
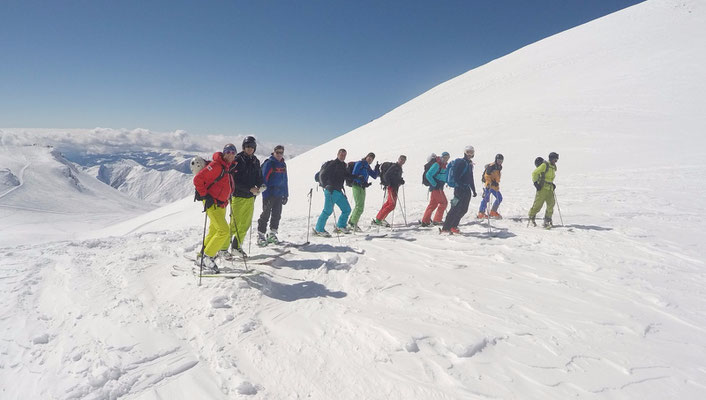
column 335, row 224
column 236, row 234
column 250, row 242
column 203, row 246
column 558, row 208
column 404, row 206
column 487, row 210
column 308, row 221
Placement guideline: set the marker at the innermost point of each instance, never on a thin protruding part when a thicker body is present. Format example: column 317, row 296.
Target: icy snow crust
column 609, row 306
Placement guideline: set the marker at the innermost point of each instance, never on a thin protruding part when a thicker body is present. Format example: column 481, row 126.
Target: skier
column 274, row 172
column 543, row 179
column 247, row 178
column 332, row 175
column 215, row 192
column 461, row 174
column 436, row 177
column 360, row 183
column 392, row 179
column 491, row 178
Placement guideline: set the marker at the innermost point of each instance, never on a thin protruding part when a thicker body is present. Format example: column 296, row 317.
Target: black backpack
column 349, row 168
column 320, row 176
column 383, row 169
column 428, row 165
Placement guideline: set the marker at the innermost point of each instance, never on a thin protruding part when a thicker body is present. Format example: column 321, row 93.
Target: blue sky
column 294, row 71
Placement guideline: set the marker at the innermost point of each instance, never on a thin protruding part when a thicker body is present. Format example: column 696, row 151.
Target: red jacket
column 220, row 191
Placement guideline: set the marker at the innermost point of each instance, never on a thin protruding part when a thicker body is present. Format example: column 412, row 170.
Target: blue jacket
column 274, row 174
column 436, row 175
column 363, row 168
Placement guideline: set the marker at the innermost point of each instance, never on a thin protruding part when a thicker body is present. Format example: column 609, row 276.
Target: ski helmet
column 499, row 157
column 249, row 141
column 553, row 156
column 230, row 148
column 197, row 164
column 538, row 161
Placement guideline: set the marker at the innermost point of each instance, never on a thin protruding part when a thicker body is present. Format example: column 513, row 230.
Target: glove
column 284, row 200
column 401, row 181
column 329, row 188
column 454, row 201
column 537, row 186
column 553, row 186
column 475, row 194
column 377, row 167
column 208, row 201
column 367, row 184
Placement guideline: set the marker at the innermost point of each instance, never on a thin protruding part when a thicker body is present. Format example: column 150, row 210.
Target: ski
column 231, row 275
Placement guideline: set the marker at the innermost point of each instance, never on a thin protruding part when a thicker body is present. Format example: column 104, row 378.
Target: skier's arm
column 266, row 169
column 372, row 173
column 431, row 173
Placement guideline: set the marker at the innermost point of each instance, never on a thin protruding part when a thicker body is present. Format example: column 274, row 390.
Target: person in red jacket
column 214, row 186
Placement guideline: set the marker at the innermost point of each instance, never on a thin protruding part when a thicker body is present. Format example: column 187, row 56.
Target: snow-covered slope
column 138, row 182
column 611, row 305
column 45, row 197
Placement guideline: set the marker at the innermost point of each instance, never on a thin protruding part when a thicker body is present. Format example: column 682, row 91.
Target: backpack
column 197, row 196
column 539, row 184
column 320, row 176
column 538, row 161
column 428, row 165
column 383, row 169
column 349, row 168
column 452, row 178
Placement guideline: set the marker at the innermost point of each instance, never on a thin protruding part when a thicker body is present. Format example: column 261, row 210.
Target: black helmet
column 249, row 142
column 553, row 156
column 538, row 161
column 499, row 157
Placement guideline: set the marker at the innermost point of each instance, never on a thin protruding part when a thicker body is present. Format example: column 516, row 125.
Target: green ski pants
column 546, row 195
column 359, row 197
column 241, row 211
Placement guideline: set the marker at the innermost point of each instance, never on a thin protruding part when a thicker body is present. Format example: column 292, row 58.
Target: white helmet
column 197, row 164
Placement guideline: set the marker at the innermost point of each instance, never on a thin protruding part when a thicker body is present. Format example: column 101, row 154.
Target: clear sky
column 302, row 71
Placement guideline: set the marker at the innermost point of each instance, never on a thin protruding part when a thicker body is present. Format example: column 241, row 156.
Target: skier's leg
column 276, row 213
column 325, row 213
column 267, row 204
column 218, row 231
column 441, row 200
column 550, row 204
column 498, row 199
column 342, row 203
column 359, row 198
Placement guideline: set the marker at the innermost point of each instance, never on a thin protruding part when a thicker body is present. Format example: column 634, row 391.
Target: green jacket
column 548, row 170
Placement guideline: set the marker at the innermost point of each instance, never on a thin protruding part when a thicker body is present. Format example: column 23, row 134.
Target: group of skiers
column 246, row 179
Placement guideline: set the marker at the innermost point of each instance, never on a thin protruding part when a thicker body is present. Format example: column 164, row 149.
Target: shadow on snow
column 298, row 291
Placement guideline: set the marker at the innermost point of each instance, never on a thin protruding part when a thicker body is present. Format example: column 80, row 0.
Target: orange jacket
column 220, row 191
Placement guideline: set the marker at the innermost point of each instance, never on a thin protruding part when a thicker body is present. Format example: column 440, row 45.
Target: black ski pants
column 457, row 211
column 270, row 206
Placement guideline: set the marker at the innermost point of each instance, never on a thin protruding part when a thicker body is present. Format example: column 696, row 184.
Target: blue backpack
column 452, row 178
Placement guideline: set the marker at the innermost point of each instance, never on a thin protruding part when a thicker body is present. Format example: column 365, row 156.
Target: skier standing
column 214, row 187
column 360, row 183
column 491, row 178
column 436, row 177
column 247, row 178
column 461, row 169
column 393, row 180
column 332, row 175
column 274, row 172
column 543, row 179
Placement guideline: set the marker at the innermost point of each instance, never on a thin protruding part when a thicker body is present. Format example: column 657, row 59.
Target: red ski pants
column 437, row 202
column 389, row 204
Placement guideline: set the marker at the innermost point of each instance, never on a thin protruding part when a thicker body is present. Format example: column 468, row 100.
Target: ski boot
column 482, row 215
column 345, row 230
column 209, row 266
column 379, row 222
column 531, row 222
column 272, row 237
column 495, row 215
column 323, row 233
column 455, row 231
column 225, row 254
column 437, row 223
column 261, row 239
column 424, row 224
column 354, row 227
column 548, row 223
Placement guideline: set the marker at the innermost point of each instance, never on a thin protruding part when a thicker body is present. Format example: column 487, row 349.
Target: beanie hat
column 499, row 157
column 229, row 148
column 445, row 154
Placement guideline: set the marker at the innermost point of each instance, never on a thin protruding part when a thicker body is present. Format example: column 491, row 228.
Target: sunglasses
column 279, row 152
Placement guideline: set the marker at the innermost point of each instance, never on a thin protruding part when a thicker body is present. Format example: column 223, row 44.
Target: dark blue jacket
column 363, row 168
column 274, row 174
